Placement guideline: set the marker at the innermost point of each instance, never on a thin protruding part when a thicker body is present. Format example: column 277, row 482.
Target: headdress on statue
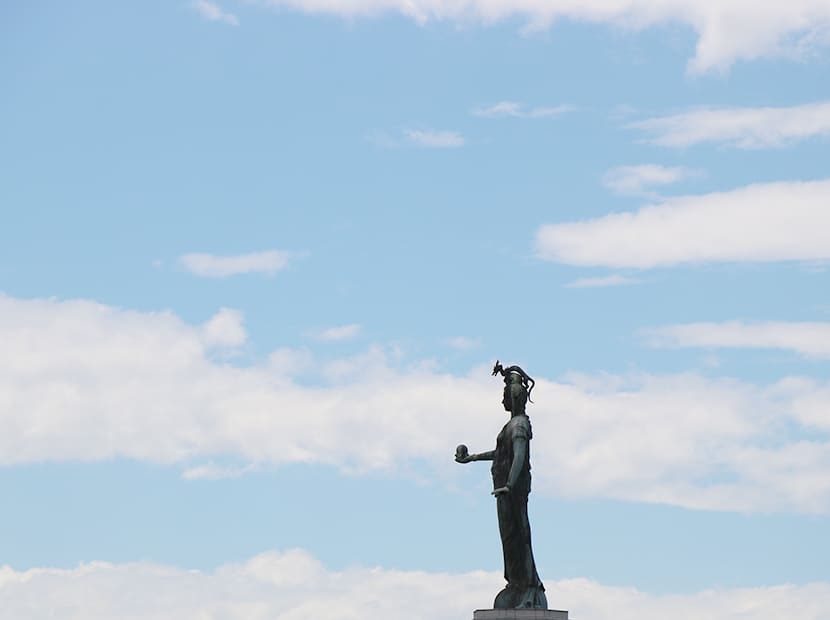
column 514, row 374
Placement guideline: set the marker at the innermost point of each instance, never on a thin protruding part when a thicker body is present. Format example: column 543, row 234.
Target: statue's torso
column 517, row 426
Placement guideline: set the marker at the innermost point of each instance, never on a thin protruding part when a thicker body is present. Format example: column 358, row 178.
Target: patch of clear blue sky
column 135, row 133
column 59, row 515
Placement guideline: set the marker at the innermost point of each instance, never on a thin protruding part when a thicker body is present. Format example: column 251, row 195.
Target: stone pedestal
column 520, row 614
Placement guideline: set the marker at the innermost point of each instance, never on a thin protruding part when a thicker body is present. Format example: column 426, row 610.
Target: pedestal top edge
column 520, row 614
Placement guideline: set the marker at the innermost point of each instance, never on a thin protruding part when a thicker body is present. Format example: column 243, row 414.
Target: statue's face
column 505, row 400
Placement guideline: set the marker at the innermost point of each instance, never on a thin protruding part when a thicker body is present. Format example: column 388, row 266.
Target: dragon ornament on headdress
column 514, row 374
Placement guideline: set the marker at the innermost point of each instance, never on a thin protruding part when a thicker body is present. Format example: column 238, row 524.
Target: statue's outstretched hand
column 462, row 455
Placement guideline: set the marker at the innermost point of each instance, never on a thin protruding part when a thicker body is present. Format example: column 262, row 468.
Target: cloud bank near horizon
column 294, row 585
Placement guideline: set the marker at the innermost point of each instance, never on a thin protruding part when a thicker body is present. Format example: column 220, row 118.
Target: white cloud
column 520, row 110
column 502, row 108
column 213, row 12
column 213, row 471
column 293, row 585
column 639, row 180
column 747, row 128
column 421, row 138
column 80, row 381
column 213, row 266
column 434, row 139
column 461, row 342
column 225, row 329
column 727, row 31
column 764, row 222
column 342, row 332
column 808, row 339
column 612, row 280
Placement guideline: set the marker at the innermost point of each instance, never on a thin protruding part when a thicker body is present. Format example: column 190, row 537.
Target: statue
column 511, row 486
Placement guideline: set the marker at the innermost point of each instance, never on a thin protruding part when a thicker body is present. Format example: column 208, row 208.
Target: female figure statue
column 511, row 484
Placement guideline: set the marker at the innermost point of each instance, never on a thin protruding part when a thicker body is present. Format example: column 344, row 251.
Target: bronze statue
column 511, row 486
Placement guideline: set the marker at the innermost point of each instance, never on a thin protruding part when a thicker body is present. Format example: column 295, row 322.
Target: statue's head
column 517, row 388
column 515, row 396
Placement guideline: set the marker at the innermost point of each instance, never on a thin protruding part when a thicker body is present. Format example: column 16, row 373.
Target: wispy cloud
column 464, row 343
column 419, row 138
column 215, row 266
column 213, row 12
column 213, row 471
column 765, row 222
column 434, row 139
column 727, row 31
column 612, row 280
column 514, row 109
column 747, row 128
column 804, row 338
column 342, row 332
column 640, row 180
column 295, row 584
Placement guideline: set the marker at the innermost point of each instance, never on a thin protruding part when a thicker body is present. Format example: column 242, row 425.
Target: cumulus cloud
column 519, row 110
column 225, row 329
column 434, row 139
column 765, row 222
column 640, row 180
column 213, row 12
column 341, row 332
column 81, row 381
column 746, row 128
column 727, row 31
column 293, row 585
column 690, row 441
column 804, row 338
column 213, row 266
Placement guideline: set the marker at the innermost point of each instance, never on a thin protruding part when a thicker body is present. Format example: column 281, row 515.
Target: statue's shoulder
column 520, row 426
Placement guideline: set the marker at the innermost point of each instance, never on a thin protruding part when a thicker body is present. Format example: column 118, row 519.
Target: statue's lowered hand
column 462, row 455
column 501, row 491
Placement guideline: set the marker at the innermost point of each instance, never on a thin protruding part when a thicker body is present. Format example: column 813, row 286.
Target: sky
column 258, row 258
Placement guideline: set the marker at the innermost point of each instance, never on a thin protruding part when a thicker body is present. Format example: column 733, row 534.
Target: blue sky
column 258, row 259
